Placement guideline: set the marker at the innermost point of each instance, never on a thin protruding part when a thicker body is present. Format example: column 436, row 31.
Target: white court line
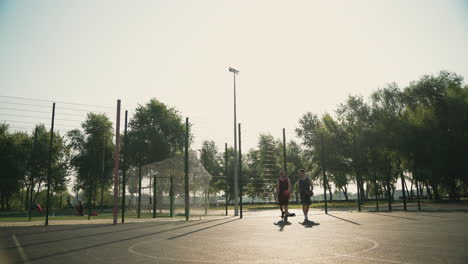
column 20, row 250
column 374, row 259
column 375, row 245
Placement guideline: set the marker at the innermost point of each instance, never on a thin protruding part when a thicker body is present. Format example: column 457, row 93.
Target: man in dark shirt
column 306, row 191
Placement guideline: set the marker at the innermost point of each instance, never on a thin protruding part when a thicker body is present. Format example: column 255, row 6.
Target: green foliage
column 92, row 156
column 420, row 132
column 157, row 132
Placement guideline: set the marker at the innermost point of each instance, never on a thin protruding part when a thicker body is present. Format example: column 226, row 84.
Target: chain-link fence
column 59, row 162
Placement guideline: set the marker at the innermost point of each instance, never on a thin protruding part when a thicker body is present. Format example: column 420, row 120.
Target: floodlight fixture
column 233, row 70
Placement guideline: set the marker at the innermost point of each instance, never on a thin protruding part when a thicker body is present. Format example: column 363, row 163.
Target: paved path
column 340, row 237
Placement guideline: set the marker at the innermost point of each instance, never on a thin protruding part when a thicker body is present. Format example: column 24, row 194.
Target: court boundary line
column 21, row 252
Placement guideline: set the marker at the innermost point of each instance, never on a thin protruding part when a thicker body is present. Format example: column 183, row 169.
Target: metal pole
column 226, row 176
column 358, row 179
column 171, row 197
column 90, row 197
column 102, row 172
column 116, row 164
column 139, row 190
column 376, row 192
column 324, row 176
column 187, row 197
column 50, row 165
column 154, row 196
column 32, row 178
column 240, row 172
column 284, row 152
column 124, row 171
column 236, row 172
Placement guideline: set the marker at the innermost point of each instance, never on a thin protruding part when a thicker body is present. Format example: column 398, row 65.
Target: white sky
column 293, row 56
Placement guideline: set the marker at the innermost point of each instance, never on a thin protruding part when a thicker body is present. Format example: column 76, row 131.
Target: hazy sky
column 293, row 56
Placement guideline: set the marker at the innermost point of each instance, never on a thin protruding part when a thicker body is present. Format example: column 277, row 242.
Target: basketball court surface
column 260, row 237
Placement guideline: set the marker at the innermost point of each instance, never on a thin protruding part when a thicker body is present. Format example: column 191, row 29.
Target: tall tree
column 92, row 155
column 157, row 132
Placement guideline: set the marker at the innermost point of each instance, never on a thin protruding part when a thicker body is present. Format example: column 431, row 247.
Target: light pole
column 236, row 170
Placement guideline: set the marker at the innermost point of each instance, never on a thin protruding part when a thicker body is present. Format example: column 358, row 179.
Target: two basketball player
column 284, row 193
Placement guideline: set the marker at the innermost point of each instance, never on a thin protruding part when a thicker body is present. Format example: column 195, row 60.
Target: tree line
column 415, row 136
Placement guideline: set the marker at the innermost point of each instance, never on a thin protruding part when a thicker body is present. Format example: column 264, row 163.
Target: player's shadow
column 282, row 224
column 309, row 224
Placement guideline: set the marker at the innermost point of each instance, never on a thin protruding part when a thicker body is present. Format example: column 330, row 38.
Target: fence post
column 171, row 194
column 240, row 173
column 154, row 196
column 376, row 192
column 50, row 165
column 124, row 171
column 90, row 197
column 139, row 190
column 32, row 179
column 358, row 179
column 116, row 163
column 324, row 175
column 284, row 152
column 226, row 176
column 187, row 198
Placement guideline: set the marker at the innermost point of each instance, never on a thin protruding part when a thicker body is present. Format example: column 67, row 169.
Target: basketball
column 286, row 194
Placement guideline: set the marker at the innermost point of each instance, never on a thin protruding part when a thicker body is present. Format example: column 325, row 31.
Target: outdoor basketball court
column 340, row 237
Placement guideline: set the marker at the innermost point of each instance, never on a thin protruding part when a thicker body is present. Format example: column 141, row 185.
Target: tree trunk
column 429, row 193
column 26, row 201
column 34, row 200
column 421, row 191
column 30, row 201
column 452, row 188
column 61, row 198
column 330, row 192
column 2, row 207
column 435, row 189
column 407, row 190
column 411, row 192
column 345, row 192
column 363, row 192
column 367, row 191
column 376, row 191
column 389, row 198
column 130, row 202
column 21, row 202
column 102, row 198
column 51, row 201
